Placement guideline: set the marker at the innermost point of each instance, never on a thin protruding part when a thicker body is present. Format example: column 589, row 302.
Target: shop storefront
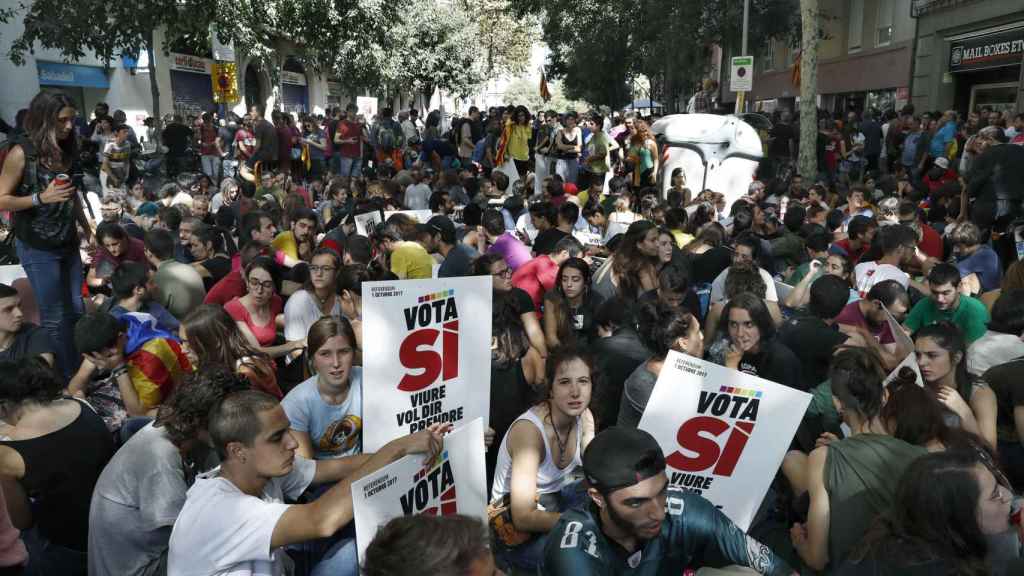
column 987, row 69
column 85, row 85
column 191, row 85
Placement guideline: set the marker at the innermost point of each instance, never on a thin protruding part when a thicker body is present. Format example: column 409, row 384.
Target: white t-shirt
column 301, row 311
column 222, row 531
column 417, row 197
column 718, row 286
column 870, row 273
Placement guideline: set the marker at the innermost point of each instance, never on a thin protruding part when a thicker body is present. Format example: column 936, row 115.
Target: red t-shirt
column 227, row 289
column 854, row 255
column 852, row 316
column 265, row 334
column 347, row 130
column 536, row 277
column 931, row 242
column 208, row 139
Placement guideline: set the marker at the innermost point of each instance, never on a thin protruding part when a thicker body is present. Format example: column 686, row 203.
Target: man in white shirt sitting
column 899, row 245
column 746, row 251
column 235, row 521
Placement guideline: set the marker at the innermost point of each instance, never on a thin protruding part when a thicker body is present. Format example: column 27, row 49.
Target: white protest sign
column 905, row 344
column 723, row 432
column 367, row 221
column 783, row 290
column 909, row 362
column 453, row 483
column 421, row 364
column 420, row 216
column 510, row 170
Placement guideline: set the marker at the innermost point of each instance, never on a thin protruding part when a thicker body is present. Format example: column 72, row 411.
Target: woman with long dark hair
column 570, row 307
column 46, row 209
column 211, row 338
column 942, row 357
column 753, row 346
column 317, row 298
column 520, row 133
column 210, row 256
column 633, row 269
column 946, row 506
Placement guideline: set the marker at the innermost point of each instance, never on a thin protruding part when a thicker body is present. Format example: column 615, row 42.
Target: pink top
column 12, row 549
column 265, row 334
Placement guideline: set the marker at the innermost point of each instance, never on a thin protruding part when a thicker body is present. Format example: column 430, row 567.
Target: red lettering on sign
column 707, row 449
column 415, row 354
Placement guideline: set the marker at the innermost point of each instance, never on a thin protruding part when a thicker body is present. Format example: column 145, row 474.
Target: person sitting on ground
column 131, row 284
column 232, row 285
column 1004, row 339
column 260, row 313
column 211, row 337
column 116, row 247
column 326, row 411
column 942, row 359
column 494, row 265
column 20, row 339
column 496, row 240
column 298, row 242
column 849, row 481
column 53, row 450
column 234, row 518
column 538, row 276
column 753, row 346
column 633, row 268
column 748, row 252
column 898, row 246
column 570, row 306
column 317, row 298
column 209, row 253
column 142, row 489
column 179, row 287
column 537, row 455
column 860, row 232
column 979, row 265
column 129, row 365
column 814, row 333
column 619, row 350
column 870, row 319
column 945, row 507
column 399, row 240
column 633, row 522
column 416, row 545
column 457, row 256
column 947, row 303
column 661, row 329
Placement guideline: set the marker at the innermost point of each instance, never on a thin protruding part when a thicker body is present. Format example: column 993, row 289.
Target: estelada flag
column 545, row 94
column 506, row 133
column 795, row 72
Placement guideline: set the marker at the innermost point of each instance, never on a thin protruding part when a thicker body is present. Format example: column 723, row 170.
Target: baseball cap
column 443, row 225
column 942, row 162
column 620, row 457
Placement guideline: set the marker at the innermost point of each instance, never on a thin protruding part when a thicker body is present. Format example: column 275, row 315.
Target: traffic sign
column 742, row 78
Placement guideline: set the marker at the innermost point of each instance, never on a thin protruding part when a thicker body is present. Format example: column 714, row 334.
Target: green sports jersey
column 694, row 534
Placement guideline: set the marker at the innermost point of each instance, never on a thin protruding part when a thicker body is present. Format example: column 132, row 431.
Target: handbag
column 499, row 520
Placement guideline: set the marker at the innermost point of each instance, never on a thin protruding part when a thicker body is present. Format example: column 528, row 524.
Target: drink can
column 62, row 180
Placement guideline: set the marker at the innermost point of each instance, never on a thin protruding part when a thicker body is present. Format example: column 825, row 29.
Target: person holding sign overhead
column 537, row 456
column 634, row 524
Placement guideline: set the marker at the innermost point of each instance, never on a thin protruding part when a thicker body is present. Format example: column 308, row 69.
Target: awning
column 989, row 51
column 60, row 74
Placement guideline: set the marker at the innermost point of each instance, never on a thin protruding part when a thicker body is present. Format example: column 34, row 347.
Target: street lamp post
column 741, row 96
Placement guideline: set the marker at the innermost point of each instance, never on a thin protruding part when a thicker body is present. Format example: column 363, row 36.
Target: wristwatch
column 37, row 199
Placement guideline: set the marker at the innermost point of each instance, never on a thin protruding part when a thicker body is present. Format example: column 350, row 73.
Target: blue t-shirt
column 985, row 263
column 335, row 430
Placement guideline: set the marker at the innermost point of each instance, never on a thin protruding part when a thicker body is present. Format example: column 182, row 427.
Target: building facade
column 969, row 55
column 864, row 59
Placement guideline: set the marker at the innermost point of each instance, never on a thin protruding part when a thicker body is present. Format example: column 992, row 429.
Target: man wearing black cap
column 458, row 257
column 636, row 525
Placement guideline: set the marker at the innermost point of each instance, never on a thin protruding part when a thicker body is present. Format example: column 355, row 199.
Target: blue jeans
column 56, row 279
column 351, row 167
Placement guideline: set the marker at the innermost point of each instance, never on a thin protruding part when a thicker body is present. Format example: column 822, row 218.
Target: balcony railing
column 921, row 7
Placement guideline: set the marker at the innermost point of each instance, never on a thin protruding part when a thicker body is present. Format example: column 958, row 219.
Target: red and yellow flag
column 794, row 76
column 545, row 94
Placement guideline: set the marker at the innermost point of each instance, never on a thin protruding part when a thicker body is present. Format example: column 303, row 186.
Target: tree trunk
column 154, row 88
column 808, row 162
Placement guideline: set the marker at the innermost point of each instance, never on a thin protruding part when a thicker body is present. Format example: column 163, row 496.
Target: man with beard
column 130, row 284
column 867, row 317
column 299, row 242
column 635, row 524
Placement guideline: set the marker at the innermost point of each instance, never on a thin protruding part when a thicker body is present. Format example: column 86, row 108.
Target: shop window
column 855, row 32
column 883, row 22
column 768, row 56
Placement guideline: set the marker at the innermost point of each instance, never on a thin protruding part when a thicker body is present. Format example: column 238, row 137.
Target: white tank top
column 550, row 478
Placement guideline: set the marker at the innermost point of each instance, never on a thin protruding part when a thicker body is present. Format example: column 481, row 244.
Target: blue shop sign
column 60, row 74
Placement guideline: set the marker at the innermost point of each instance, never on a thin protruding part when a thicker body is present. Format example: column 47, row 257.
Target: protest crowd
column 181, row 363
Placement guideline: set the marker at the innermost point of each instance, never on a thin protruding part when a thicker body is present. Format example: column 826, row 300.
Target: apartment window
column 856, row 29
column 883, row 26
